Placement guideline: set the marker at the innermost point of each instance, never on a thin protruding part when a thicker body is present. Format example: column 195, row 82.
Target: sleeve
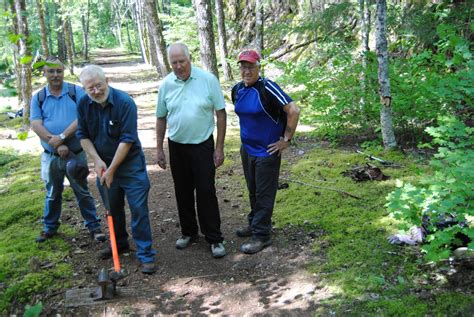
column 161, row 108
column 79, row 93
column 217, row 97
column 128, row 122
column 35, row 111
column 82, row 132
column 276, row 94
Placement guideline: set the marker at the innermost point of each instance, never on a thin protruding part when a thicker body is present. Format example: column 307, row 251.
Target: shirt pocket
column 113, row 129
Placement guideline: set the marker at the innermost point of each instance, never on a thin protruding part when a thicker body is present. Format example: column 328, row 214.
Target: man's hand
column 218, row 157
column 278, row 147
column 63, row 151
column 161, row 158
column 107, row 177
column 100, row 167
column 54, row 140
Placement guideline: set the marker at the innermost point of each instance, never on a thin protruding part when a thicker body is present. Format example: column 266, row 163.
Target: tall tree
column 60, row 34
column 364, row 11
column 44, row 32
column 156, row 31
column 138, row 17
column 25, row 59
column 69, row 50
column 259, row 25
column 206, row 35
column 386, row 122
column 85, row 18
column 223, row 40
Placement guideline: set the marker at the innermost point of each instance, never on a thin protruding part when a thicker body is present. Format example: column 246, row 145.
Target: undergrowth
column 366, row 274
column 28, row 269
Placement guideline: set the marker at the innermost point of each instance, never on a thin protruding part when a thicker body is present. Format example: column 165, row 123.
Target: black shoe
column 254, row 245
column 148, row 268
column 107, row 252
column 244, row 232
column 97, row 235
column 45, row 236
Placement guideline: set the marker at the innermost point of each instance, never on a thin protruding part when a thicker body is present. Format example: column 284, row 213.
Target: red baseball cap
column 250, row 56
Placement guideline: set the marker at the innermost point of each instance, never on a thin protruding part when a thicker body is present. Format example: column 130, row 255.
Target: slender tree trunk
column 157, row 40
column 259, row 26
column 71, row 35
column 129, row 40
column 25, row 60
column 60, row 35
column 364, row 29
column 48, row 18
column 85, row 27
column 388, row 134
column 223, row 40
column 44, row 39
column 69, row 51
column 206, row 35
column 136, row 13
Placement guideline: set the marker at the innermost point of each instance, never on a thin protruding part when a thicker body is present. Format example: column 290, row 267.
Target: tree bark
column 388, row 134
column 60, row 35
column 24, row 91
column 259, row 26
column 365, row 31
column 156, row 33
column 223, row 40
column 44, row 32
column 85, row 31
column 206, row 35
column 69, row 51
column 140, row 31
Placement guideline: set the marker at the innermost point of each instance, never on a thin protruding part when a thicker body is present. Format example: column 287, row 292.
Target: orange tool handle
column 110, row 223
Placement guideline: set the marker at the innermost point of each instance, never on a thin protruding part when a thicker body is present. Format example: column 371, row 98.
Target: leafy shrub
column 449, row 191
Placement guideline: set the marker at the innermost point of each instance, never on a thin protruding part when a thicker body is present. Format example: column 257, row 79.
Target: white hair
column 92, row 71
column 182, row 46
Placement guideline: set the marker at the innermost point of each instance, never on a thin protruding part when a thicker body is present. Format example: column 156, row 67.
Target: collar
column 64, row 90
column 191, row 76
column 259, row 80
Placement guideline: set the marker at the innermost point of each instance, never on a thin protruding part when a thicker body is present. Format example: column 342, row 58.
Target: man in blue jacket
column 268, row 119
column 53, row 118
column 107, row 128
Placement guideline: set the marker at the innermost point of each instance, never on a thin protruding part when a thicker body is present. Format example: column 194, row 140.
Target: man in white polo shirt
column 187, row 101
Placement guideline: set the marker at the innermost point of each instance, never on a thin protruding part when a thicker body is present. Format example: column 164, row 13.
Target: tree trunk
column 158, row 42
column 259, row 26
column 48, row 18
column 24, row 91
column 223, row 40
column 44, row 32
column 60, row 35
column 69, row 51
column 129, row 40
column 206, row 35
column 71, row 35
column 388, row 134
column 136, row 13
column 364, row 30
column 85, row 31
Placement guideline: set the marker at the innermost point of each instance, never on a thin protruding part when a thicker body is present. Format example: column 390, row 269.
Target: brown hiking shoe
column 45, row 236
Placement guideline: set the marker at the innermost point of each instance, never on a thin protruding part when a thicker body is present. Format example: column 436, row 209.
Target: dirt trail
column 190, row 281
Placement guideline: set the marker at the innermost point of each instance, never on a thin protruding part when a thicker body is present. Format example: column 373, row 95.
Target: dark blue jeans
column 192, row 167
column 261, row 175
column 131, row 181
column 53, row 170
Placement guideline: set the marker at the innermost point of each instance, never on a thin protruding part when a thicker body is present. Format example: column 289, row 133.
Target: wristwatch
column 286, row 139
column 62, row 136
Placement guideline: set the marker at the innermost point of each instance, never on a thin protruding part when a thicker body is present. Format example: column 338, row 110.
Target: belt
column 56, row 154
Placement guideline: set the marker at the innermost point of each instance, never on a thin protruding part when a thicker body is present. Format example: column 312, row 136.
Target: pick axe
column 108, row 282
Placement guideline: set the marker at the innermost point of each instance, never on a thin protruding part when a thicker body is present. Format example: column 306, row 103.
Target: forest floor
column 189, row 281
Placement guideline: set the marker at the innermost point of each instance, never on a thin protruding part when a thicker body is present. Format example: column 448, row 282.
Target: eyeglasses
column 96, row 87
column 55, row 71
column 249, row 67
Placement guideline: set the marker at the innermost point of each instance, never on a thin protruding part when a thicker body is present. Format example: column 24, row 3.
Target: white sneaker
column 184, row 241
column 218, row 250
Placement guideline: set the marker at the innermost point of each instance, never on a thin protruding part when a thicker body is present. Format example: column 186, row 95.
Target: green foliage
column 22, row 198
column 449, row 191
column 33, row 311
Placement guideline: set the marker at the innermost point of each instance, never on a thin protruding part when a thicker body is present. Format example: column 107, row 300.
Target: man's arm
column 56, row 141
column 293, row 114
column 119, row 156
column 99, row 164
column 221, row 116
column 38, row 127
column 160, row 136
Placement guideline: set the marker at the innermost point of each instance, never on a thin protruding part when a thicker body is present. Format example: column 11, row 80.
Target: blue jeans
column 53, row 170
column 131, row 181
column 261, row 175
